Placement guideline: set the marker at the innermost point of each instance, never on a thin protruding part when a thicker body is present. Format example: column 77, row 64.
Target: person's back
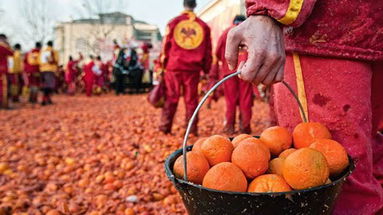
column 186, row 51
column 48, row 61
column 186, row 44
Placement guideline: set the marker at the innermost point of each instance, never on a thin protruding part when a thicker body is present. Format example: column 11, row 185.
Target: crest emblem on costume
column 188, row 34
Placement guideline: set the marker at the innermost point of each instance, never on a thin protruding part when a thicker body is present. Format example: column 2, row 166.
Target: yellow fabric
column 292, row 12
column 4, row 102
column 300, row 85
column 33, row 58
column 45, row 59
column 16, row 65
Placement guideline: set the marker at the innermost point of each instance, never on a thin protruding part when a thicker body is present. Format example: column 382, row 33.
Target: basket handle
column 192, row 119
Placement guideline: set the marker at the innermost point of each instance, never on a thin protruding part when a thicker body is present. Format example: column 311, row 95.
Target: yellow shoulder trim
column 292, row 12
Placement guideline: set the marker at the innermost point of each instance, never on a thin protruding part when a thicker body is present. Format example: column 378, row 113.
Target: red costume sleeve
column 209, row 51
column 5, row 50
column 288, row 12
column 167, row 43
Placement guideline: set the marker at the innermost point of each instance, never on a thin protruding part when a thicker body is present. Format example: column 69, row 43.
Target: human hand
column 266, row 51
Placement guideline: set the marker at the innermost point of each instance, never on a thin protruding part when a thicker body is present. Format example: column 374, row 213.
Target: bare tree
column 38, row 19
column 96, row 9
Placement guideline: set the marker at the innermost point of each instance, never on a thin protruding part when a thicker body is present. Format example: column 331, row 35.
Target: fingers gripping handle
column 192, row 119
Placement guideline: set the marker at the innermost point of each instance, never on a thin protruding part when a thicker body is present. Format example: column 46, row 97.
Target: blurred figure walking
column 48, row 68
column 187, row 50
column 5, row 52
column 32, row 72
column 15, row 71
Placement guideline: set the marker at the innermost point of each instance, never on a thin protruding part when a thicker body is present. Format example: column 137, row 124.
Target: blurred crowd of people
column 25, row 74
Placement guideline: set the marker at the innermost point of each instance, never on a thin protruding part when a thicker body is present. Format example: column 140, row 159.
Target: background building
column 219, row 15
column 95, row 36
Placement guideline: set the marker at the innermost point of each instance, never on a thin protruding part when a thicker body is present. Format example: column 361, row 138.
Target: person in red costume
column 334, row 62
column 89, row 76
column 187, row 50
column 32, row 72
column 5, row 52
column 243, row 99
column 71, row 74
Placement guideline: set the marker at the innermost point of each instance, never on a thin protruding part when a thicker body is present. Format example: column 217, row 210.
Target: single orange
column 277, row 139
column 276, row 166
column 197, row 167
column 217, row 149
column 335, row 154
column 197, row 145
column 239, row 138
column 226, row 177
column 268, row 183
column 306, row 133
column 252, row 157
column 286, row 153
column 305, row 168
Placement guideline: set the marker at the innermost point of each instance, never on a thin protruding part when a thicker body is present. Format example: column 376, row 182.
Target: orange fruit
column 197, row 145
column 306, row 133
column 217, row 149
column 335, row 154
column 252, row 157
column 305, row 168
column 276, row 166
column 239, row 138
column 268, row 183
column 226, row 177
column 197, row 167
column 286, row 153
column 277, row 139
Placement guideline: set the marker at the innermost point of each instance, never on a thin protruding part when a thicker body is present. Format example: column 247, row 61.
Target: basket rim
column 174, row 179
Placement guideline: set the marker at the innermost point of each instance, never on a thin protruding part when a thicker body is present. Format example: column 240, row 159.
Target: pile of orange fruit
column 277, row 161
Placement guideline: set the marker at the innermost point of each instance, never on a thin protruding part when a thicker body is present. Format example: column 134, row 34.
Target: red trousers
column 238, row 93
column 342, row 94
column 3, row 91
column 15, row 85
column 178, row 83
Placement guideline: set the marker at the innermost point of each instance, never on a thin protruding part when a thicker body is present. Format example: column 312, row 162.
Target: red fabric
column 238, row 93
column 5, row 51
column 327, row 28
column 89, row 78
column 342, row 102
column 178, row 82
column 71, row 71
column 176, row 58
column 377, row 97
column 3, row 90
column 31, row 68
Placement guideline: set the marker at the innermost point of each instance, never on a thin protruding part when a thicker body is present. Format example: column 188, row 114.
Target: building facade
column 96, row 36
column 219, row 15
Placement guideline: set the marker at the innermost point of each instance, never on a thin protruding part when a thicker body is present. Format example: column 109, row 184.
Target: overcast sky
column 157, row 12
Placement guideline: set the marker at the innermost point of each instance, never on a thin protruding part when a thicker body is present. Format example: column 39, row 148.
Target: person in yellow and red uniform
column 237, row 92
column 32, row 71
column 48, row 68
column 335, row 63
column 187, row 51
column 15, row 70
column 5, row 52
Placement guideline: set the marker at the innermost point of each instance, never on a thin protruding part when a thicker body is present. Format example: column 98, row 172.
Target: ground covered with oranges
column 99, row 155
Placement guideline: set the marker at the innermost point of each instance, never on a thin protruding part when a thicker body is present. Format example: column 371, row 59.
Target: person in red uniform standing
column 32, row 72
column 335, row 63
column 237, row 92
column 187, row 51
column 5, row 52
column 71, row 74
column 89, row 76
